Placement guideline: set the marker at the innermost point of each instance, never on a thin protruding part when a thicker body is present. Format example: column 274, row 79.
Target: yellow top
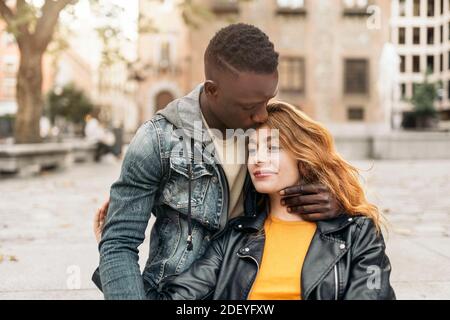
column 285, row 249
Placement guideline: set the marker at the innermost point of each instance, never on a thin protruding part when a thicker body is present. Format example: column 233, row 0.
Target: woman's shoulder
column 367, row 229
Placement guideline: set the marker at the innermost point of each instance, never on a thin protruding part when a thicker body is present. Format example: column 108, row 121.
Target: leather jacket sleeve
column 196, row 283
column 370, row 271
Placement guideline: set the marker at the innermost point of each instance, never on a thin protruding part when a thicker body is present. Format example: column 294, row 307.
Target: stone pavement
column 48, row 251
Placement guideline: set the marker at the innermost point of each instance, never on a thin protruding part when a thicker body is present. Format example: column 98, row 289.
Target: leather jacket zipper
column 336, row 282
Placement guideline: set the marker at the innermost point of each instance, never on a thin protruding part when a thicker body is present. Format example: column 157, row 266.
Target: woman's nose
column 261, row 156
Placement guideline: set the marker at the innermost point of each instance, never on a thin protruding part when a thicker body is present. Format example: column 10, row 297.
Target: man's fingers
column 303, row 189
column 105, row 207
column 305, row 200
column 97, row 216
column 309, row 209
column 100, row 215
column 294, row 190
column 314, row 188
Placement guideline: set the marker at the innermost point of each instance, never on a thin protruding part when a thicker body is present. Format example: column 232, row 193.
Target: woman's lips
column 263, row 173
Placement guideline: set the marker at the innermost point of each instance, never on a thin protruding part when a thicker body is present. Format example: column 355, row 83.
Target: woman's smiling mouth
column 263, row 173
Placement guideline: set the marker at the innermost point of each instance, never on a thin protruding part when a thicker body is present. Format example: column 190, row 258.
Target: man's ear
column 210, row 88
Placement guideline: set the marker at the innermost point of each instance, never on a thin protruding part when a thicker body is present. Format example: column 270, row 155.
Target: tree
column 70, row 103
column 33, row 29
column 424, row 97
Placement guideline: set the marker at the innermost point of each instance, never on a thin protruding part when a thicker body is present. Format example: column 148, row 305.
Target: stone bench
column 26, row 159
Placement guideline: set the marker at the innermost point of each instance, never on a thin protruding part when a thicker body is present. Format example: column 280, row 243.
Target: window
column 430, row 35
column 448, row 89
column 442, row 7
column 9, row 88
column 292, row 75
column 416, row 64
column 10, row 65
column 416, row 8
column 291, row 7
column 441, row 34
column 430, row 64
column 402, row 64
column 164, row 58
column 430, row 8
column 355, row 7
column 8, row 39
column 402, row 8
column 403, row 90
column 401, row 36
column 416, row 35
column 355, row 113
column 441, row 62
column 448, row 57
column 356, row 76
column 225, row 6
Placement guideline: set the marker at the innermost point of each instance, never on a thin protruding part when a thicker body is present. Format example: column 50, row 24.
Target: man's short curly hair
column 242, row 47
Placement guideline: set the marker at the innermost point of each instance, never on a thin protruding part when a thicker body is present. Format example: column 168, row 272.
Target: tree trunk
column 29, row 97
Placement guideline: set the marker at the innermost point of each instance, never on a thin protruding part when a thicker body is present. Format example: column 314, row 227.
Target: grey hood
column 185, row 113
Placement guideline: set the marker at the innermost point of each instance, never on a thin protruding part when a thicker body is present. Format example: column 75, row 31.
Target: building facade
column 329, row 53
column 421, row 35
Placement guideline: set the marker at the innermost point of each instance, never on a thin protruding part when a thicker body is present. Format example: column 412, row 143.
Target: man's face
column 240, row 102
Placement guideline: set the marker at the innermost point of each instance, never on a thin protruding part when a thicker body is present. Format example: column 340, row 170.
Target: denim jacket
column 154, row 180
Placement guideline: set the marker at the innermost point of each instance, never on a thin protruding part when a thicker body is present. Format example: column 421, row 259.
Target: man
column 193, row 201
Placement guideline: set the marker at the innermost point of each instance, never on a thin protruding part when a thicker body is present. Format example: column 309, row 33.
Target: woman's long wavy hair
column 313, row 146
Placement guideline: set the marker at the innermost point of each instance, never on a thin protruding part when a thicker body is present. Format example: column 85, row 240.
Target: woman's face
column 271, row 167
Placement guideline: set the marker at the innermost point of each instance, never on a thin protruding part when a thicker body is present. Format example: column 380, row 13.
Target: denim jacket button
column 215, row 180
column 342, row 246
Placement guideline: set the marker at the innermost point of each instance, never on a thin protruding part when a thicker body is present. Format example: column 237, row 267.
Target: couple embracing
column 276, row 215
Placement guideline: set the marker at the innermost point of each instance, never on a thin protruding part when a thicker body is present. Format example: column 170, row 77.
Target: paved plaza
column 48, row 251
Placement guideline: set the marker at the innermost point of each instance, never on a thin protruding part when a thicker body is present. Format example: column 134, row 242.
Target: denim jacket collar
column 185, row 113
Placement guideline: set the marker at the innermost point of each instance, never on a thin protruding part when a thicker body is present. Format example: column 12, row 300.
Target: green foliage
column 69, row 103
column 425, row 94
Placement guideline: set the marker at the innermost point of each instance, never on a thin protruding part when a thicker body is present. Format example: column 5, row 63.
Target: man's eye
column 249, row 108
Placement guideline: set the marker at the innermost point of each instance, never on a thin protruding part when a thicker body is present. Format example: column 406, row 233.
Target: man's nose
column 261, row 116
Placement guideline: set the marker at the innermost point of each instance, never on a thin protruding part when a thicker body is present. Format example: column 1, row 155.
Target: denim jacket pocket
column 175, row 193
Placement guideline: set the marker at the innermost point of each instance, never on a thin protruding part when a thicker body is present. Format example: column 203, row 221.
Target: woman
column 276, row 255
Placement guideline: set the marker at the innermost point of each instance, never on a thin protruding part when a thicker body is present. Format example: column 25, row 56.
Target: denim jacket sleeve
column 132, row 198
column 371, row 269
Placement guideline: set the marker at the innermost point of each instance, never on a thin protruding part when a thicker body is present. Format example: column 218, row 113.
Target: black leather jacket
column 346, row 260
